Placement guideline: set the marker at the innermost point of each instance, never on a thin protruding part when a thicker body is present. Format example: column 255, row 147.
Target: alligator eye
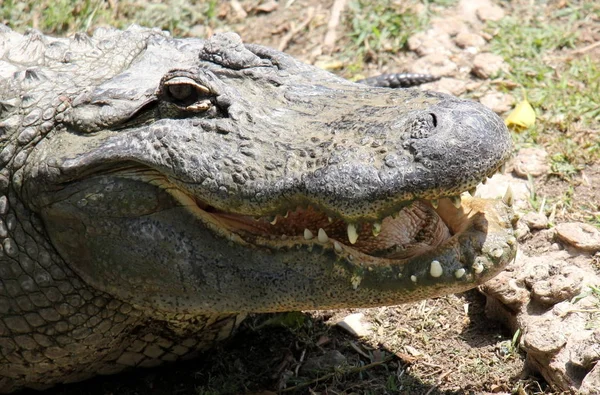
column 187, row 93
column 181, row 92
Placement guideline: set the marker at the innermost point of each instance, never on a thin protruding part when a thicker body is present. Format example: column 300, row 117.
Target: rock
column 591, row 383
column 497, row 101
column 267, row 7
column 531, row 161
column 537, row 296
column 323, row 363
column 435, row 64
column 432, row 42
column 451, row 26
column 496, row 187
column 452, row 86
column 468, row 39
column 355, row 324
column 579, row 235
column 535, row 220
column 486, row 65
column 587, row 352
column 490, row 12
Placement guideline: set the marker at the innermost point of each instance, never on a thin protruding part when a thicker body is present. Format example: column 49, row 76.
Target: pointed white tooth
column 308, row 234
column 287, row 213
column 435, row 203
column 352, row 233
column 274, row 221
column 337, row 246
column 322, row 236
column 472, row 191
column 497, row 252
column 508, row 197
column 435, row 269
column 376, row 228
column 459, row 273
column 455, row 201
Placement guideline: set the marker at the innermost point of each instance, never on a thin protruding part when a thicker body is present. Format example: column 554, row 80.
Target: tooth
column 308, row 234
column 286, row 214
column 435, row 269
column 472, row 191
column 376, row 228
column 413, row 278
column 337, row 246
column 455, row 201
column 322, row 236
column 274, row 220
column 508, row 198
column 459, row 273
column 435, row 203
column 497, row 252
column 330, row 219
column 478, row 267
column 352, row 233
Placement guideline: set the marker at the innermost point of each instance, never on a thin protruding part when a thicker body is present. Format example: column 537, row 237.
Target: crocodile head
column 209, row 177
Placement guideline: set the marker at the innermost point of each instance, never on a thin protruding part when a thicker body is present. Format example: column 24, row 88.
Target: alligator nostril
column 434, row 119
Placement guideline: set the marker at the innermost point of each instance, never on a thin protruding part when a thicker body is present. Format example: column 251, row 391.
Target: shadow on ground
column 271, row 352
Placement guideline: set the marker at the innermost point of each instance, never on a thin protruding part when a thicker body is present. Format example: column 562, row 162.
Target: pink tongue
column 416, row 229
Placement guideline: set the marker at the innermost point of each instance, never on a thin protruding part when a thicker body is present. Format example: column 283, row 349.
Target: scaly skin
column 155, row 190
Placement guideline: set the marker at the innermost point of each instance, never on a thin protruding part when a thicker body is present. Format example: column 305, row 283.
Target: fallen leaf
column 522, row 117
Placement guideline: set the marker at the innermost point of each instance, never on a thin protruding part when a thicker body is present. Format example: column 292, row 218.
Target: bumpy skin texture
column 115, row 148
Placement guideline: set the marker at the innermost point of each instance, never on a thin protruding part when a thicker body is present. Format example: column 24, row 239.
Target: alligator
column 154, row 191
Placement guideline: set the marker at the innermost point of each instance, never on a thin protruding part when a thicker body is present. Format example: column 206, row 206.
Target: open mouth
column 421, row 227
column 416, row 228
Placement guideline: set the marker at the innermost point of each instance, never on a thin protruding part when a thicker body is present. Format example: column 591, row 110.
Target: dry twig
column 330, row 375
column 285, row 41
column 334, row 21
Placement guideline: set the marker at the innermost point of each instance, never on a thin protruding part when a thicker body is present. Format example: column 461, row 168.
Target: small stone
column 437, row 64
column 497, row 101
column 267, row 7
column 579, row 235
column 468, row 39
column 531, row 161
column 355, row 324
column 486, row 65
column 490, row 12
column 432, row 42
column 451, row 86
column 591, row 381
column 535, row 220
column 323, row 363
column 544, row 338
column 451, row 26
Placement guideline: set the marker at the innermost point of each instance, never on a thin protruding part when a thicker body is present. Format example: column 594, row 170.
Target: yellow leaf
column 523, row 116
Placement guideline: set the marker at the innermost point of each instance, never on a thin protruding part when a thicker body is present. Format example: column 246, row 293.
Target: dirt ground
column 440, row 346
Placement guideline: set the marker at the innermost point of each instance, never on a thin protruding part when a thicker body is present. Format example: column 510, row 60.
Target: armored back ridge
column 156, row 190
